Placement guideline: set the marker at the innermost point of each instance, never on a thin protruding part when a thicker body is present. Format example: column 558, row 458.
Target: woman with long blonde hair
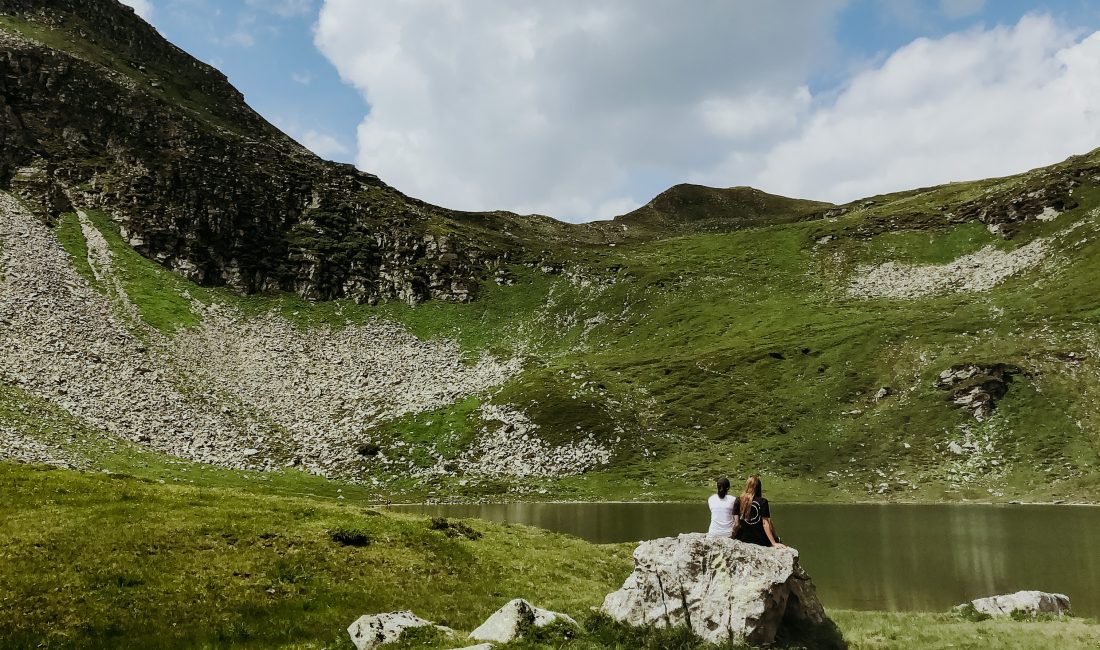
column 754, row 521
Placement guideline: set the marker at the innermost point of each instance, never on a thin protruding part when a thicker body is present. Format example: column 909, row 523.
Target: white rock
column 723, row 589
column 508, row 622
column 1029, row 602
column 480, row 646
column 978, row 271
column 372, row 631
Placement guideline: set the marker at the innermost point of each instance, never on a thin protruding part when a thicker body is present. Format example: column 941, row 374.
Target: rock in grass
column 721, row 588
column 509, row 622
column 1027, row 603
column 372, row 631
column 480, row 646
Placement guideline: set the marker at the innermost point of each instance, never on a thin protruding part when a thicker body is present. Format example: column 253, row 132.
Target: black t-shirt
column 751, row 529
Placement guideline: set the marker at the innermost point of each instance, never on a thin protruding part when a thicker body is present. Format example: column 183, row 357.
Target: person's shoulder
column 762, row 501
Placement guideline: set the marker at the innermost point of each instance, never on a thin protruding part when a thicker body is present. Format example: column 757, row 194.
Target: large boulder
column 721, row 588
column 1029, row 603
column 509, row 622
column 369, row 632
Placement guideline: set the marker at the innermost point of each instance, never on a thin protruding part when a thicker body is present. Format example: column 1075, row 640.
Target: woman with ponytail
column 721, row 510
column 754, row 522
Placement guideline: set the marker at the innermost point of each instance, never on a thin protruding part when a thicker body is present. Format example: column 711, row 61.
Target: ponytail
column 752, row 491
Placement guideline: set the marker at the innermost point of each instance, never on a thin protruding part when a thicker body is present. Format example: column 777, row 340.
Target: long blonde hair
column 752, row 491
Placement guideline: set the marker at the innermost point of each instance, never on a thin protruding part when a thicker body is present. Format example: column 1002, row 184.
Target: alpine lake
column 888, row 557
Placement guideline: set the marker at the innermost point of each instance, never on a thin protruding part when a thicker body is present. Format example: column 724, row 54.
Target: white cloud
column 970, row 105
column 323, row 144
column 143, row 8
column 303, row 78
column 567, row 107
column 583, row 111
column 744, row 116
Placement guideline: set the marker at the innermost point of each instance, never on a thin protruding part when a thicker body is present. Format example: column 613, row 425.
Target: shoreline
column 786, row 503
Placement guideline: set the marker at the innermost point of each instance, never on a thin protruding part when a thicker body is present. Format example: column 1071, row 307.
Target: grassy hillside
column 109, row 561
column 745, row 351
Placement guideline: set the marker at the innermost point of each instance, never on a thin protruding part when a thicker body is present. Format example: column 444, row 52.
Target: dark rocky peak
column 110, row 33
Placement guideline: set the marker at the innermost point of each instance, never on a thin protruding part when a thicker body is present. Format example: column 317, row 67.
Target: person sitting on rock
column 721, row 510
column 754, row 523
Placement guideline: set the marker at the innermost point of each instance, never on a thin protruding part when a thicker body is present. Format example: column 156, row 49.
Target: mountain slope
column 939, row 343
column 843, row 360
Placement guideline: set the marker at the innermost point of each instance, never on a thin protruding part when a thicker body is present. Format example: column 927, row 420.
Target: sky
column 585, row 109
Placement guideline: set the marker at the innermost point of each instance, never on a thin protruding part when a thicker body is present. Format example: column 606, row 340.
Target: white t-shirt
column 721, row 515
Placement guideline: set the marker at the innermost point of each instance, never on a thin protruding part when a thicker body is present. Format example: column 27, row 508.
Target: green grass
column 162, row 297
column 71, row 237
column 90, row 560
column 880, row 631
column 445, row 432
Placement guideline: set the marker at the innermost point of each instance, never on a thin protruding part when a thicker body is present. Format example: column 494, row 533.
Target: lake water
column 879, row 557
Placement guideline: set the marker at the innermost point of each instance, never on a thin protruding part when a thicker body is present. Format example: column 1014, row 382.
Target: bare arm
column 769, row 530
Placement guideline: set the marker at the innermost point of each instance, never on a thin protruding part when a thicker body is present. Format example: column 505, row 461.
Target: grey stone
column 509, row 622
column 369, row 632
column 1028, row 602
column 722, row 589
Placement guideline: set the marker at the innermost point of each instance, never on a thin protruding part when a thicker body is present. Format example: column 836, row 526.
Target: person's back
column 751, row 528
column 722, row 507
column 754, row 523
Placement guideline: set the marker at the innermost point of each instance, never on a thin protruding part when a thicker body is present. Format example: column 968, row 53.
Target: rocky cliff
column 97, row 110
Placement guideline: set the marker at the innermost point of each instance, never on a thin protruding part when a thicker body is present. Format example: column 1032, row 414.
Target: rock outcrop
column 1043, row 199
column 509, row 622
column 721, row 588
column 978, row 387
column 369, row 632
column 1027, row 603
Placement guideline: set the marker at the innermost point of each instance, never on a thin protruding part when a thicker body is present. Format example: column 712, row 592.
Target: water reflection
column 885, row 557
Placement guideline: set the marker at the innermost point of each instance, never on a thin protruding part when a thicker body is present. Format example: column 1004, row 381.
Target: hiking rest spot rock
column 721, row 588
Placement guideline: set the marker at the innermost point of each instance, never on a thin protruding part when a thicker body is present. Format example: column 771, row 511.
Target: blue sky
column 603, row 131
